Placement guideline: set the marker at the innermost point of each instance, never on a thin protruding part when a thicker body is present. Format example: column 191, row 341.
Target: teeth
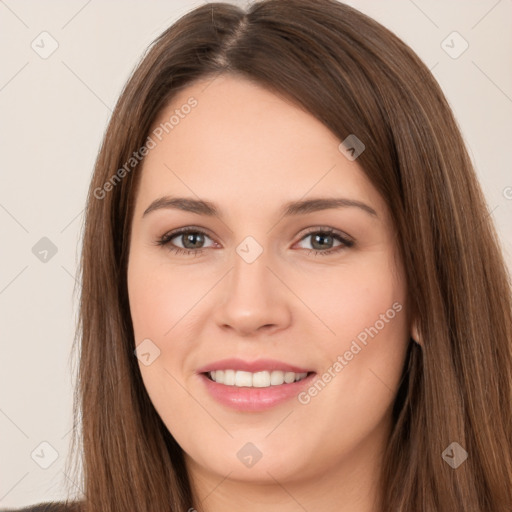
column 257, row 380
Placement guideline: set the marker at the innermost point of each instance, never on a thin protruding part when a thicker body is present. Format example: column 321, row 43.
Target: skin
column 250, row 151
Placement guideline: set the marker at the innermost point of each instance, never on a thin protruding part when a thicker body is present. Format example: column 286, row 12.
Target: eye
column 193, row 239
column 325, row 236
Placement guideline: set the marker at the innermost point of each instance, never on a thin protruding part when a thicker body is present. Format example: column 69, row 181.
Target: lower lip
column 254, row 399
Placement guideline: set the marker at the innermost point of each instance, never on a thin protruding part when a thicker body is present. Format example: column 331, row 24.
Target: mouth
column 253, row 386
column 261, row 379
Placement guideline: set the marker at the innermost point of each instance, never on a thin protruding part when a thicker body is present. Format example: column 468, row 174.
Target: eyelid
column 185, row 229
column 328, row 229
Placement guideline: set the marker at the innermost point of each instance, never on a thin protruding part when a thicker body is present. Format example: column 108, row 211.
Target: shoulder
column 53, row 506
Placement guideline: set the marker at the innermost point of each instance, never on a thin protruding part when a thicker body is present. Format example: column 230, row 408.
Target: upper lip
column 251, row 366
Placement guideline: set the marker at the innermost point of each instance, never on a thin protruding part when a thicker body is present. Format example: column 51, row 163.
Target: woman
column 224, row 365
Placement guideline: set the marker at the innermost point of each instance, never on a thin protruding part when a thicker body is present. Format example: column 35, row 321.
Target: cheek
column 364, row 353
column 162, row 300
column 350, row 298
column 161, row 297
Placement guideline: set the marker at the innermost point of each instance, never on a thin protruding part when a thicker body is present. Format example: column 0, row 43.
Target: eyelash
column 346, row 243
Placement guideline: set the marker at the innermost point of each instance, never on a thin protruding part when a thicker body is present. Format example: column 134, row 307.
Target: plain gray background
column 54, row 110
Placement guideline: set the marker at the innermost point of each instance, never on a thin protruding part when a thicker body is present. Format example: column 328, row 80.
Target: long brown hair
column 356, row 77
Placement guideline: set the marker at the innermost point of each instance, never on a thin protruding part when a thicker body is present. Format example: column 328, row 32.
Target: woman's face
column 265, row 285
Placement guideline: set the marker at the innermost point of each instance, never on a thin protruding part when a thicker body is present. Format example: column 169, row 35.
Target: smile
column 261, row 379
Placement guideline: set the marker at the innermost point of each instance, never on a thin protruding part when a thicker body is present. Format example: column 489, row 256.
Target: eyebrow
column 291, row 208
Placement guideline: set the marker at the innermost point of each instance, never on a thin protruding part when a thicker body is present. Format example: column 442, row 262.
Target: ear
column 415, row 334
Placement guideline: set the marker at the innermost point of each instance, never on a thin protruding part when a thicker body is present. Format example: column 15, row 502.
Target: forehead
column 241, row 142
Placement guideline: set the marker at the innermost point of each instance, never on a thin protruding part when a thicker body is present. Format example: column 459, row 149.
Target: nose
column 252, row 298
